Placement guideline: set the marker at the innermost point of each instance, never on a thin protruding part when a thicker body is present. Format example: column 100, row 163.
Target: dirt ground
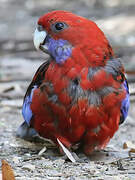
column 18, row 62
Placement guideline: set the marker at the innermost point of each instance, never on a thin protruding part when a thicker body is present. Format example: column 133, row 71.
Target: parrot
column 79, row 96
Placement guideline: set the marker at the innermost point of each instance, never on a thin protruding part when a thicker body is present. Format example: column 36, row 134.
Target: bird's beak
column 39, row 40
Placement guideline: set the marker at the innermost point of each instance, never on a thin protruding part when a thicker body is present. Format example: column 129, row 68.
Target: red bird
column 80, row 95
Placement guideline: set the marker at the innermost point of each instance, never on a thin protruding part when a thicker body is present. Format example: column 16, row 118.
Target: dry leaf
column 129, row 145
column 7, row 172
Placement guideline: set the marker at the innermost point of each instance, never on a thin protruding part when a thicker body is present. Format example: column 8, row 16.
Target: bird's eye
column 58, row 26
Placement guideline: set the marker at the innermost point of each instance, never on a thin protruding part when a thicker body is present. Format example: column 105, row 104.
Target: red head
column 78, row 31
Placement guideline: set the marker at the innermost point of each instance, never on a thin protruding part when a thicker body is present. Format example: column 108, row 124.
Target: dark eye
column 59, row 26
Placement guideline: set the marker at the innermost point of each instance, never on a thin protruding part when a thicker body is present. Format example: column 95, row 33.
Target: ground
column 18, row 62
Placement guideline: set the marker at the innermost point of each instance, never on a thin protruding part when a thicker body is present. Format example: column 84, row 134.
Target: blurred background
column 19, row 59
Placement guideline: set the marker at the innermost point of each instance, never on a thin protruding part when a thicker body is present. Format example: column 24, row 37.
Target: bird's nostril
column 40, row 28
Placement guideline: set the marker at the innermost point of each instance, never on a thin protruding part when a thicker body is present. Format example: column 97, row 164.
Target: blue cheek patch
column 26, row 110
column 125, row 103
column 60, row 49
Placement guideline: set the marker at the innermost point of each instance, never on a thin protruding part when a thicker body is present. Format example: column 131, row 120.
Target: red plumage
column 78, row 100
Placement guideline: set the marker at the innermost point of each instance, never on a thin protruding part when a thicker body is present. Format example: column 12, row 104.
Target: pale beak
column 39, row 39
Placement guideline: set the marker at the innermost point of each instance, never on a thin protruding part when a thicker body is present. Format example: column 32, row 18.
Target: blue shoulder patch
column 26, row 111
column 125, row 103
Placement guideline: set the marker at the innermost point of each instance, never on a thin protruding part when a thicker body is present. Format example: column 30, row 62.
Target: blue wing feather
column 26, row 131
column 38, row 77
column 26, row 110
column 125, row 103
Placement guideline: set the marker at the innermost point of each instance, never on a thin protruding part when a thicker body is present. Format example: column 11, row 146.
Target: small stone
column 48, row 164
column 59, row 162
column 16, row 159
column 29, row 167
column 72, row 178
column 27, row 154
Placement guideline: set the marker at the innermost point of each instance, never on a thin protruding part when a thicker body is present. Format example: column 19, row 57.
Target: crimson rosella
column 79, row 96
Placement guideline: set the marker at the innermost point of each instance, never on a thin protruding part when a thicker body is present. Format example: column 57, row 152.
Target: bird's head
column 58, row 33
